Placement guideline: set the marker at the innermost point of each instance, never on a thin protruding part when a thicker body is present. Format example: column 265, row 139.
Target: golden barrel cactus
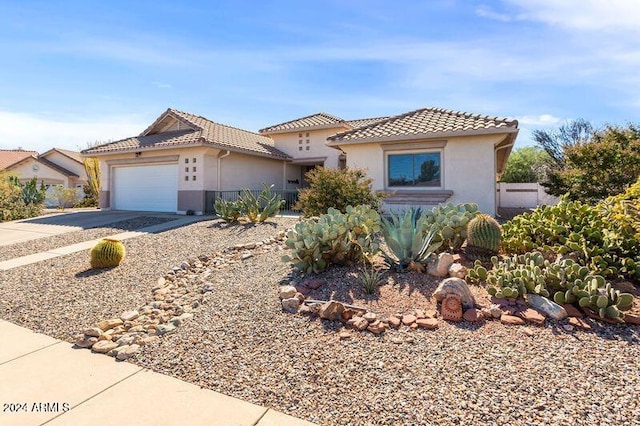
column 107, row 253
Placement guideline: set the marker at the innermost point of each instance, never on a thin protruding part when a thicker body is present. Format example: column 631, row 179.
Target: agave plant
column 403, row 235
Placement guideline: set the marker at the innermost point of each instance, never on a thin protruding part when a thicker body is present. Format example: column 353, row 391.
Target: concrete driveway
column 59, row 223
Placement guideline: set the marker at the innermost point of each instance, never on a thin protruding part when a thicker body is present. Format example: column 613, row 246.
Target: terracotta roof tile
column 9, row 157
column 321, row 119
column 426, row 121
column 202, row 131
column 364, row 121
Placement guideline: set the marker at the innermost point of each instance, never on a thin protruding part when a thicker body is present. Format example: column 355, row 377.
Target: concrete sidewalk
column 46, row 381
column 86, row 245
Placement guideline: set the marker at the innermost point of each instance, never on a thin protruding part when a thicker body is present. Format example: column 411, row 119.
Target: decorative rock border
column 175, row 299
column 452, row 292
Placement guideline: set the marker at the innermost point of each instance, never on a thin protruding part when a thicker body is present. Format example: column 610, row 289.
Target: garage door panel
column 146, row 188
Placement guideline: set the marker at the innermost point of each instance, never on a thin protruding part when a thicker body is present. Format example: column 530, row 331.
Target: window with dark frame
column 422, row 169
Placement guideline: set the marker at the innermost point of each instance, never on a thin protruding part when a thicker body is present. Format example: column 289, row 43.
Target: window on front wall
column 420, row 169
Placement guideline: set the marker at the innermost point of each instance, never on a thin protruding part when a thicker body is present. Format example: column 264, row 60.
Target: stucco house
column 54, row 167
column 419, row 158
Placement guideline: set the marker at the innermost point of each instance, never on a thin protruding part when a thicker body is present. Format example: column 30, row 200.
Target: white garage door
column 146, row 188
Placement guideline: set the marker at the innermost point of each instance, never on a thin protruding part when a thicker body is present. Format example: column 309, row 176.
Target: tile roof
column 364, row 121
column 202, row 131
column 9, row 157
column 321, row 119
column 427, row 122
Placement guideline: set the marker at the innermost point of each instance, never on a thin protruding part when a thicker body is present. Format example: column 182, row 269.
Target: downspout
column 220, row 157
column 498, row 195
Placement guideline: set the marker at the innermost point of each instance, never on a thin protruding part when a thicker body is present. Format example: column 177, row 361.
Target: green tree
column 556, row 142
column 526, row 164
column 605, row 166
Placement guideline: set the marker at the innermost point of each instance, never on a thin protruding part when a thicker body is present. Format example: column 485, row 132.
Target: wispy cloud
column 608, row 15
column 485, row 11
column 42, row 133
column 538, row 120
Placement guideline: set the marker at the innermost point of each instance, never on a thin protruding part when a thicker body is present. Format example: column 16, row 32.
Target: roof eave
column 423, row 136
column 304, row 129
column 201, row 143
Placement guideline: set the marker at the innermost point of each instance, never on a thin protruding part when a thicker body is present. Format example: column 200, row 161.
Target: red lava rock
column 376, row 327
column 394, row 322
column 358, row 323
column 472, row 315
column 579, row 322
column 314, row 283
column 408, row 319
column 632, row 319
column 370, row 316
column 572, row 311
column 511, row 320
column 532, row 316
column 347, row 314
column 429, row 323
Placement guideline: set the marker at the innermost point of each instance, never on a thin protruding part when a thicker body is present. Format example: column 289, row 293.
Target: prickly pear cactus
column 483, row 236
column 333, row 238
column 107, row 253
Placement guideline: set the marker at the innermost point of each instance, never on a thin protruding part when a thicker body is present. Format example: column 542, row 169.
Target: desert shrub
column 336, row 188
column 64, row 197
column 17, row 201
column 333, row 238
column 604, row 237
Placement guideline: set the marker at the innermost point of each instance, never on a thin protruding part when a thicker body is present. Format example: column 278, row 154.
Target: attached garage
column 146, row 188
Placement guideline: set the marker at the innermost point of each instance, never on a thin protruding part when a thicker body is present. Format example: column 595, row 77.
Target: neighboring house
column 54, row 167
column 420, row 158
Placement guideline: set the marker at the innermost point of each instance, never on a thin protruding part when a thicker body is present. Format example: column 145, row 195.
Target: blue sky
column 79, row 71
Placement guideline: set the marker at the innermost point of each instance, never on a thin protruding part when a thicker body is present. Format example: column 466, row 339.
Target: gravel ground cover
column 240, row 343
column 56, row 241
column 61, row 296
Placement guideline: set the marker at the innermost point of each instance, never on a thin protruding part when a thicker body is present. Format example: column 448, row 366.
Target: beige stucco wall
column 290, row 144
column 239, row 171
column 69, row 164
column 468, row 168
column 25, row 172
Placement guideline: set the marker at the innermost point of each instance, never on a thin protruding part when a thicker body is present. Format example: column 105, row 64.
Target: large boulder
column 455, row 286
column 439, row 267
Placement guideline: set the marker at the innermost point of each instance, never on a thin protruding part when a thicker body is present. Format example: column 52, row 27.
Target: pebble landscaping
column 221, row 321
